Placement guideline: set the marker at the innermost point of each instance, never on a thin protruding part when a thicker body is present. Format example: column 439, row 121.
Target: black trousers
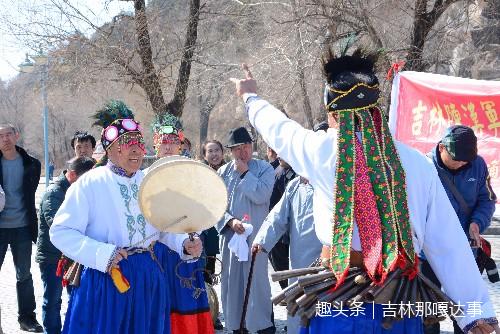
column 19, row 239
column 279, row 257
column 429, row 273
column 210, row 270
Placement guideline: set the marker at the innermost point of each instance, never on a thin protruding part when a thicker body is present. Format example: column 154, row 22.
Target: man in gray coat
column 293, row 214
column 249, row 183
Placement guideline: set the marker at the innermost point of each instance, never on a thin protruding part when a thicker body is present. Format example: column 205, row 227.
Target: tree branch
column 151, row 82
column 176, row 105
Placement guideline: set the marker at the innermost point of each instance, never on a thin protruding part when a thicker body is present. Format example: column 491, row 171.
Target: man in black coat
column 19, row 177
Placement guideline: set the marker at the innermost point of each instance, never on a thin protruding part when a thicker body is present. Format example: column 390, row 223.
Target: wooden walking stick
column 247, row 293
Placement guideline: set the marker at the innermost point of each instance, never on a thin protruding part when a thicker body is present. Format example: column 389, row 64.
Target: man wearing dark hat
column 465, row 178
column 456, row 158
column 250, row 184
column 377, row 204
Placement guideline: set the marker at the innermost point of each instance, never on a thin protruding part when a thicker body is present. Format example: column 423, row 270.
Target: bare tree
column 123, row 46
column 148, row 78
column 207, row 101
column 176, row 105
column 147, row 55
column 423, row 22
column 300, row 68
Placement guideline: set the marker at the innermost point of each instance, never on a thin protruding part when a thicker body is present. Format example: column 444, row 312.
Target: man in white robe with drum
column 123, row 287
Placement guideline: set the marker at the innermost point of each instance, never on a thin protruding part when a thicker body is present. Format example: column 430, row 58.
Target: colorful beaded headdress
column 370, row 181
column 167, row 129
column 118, row 124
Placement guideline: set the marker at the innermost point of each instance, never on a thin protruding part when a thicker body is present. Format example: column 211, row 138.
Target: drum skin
column 180, row 195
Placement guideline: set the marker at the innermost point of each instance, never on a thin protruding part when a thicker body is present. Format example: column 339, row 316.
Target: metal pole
column 45, row 122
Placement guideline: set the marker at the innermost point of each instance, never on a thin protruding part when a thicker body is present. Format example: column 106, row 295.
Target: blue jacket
column 473, row 182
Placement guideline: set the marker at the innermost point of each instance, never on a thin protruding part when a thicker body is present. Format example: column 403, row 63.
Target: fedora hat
column 237, row 137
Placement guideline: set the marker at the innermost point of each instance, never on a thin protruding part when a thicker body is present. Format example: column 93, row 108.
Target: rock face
column 485, row 62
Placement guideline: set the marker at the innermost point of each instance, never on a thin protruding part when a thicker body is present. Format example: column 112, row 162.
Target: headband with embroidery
column 360, row 96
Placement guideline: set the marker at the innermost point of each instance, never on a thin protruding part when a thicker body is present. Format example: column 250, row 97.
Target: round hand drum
column 180, row 195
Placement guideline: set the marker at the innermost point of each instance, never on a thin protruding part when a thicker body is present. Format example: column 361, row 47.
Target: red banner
column 424, row 105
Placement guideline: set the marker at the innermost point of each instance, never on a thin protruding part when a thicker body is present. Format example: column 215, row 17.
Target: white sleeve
column 67, row 232
column 176, row 243
column 289, row 139
column 449, row 254
column 2, row 199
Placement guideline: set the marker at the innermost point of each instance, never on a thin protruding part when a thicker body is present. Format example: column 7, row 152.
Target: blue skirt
column 96, row 306
column 188, row 313
column 369, row 323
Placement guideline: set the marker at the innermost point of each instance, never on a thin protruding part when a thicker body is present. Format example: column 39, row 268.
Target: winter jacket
column 31, row 177
column 473, row 183
column 51, row 201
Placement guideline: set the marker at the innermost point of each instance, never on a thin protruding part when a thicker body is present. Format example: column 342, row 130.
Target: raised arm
column 288, row 138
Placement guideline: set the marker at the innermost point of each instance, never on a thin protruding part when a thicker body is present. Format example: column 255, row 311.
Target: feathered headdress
column 112, row 111
column 370, row 181
column 116, row 119
column 167, row 128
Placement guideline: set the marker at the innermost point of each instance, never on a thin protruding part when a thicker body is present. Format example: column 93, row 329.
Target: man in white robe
column 434, row 224
column 250, row 184
column 100, row 226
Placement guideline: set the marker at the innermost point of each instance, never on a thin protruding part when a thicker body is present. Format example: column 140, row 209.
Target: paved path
column 8, row 301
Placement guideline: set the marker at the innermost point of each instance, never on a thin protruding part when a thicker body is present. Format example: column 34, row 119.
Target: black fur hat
column 351, row 82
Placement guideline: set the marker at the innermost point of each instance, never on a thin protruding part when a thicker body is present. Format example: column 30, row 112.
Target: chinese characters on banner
column 423, row 105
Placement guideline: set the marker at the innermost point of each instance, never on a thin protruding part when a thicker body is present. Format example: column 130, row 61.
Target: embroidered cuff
column 111, row 258
column 489, row 321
